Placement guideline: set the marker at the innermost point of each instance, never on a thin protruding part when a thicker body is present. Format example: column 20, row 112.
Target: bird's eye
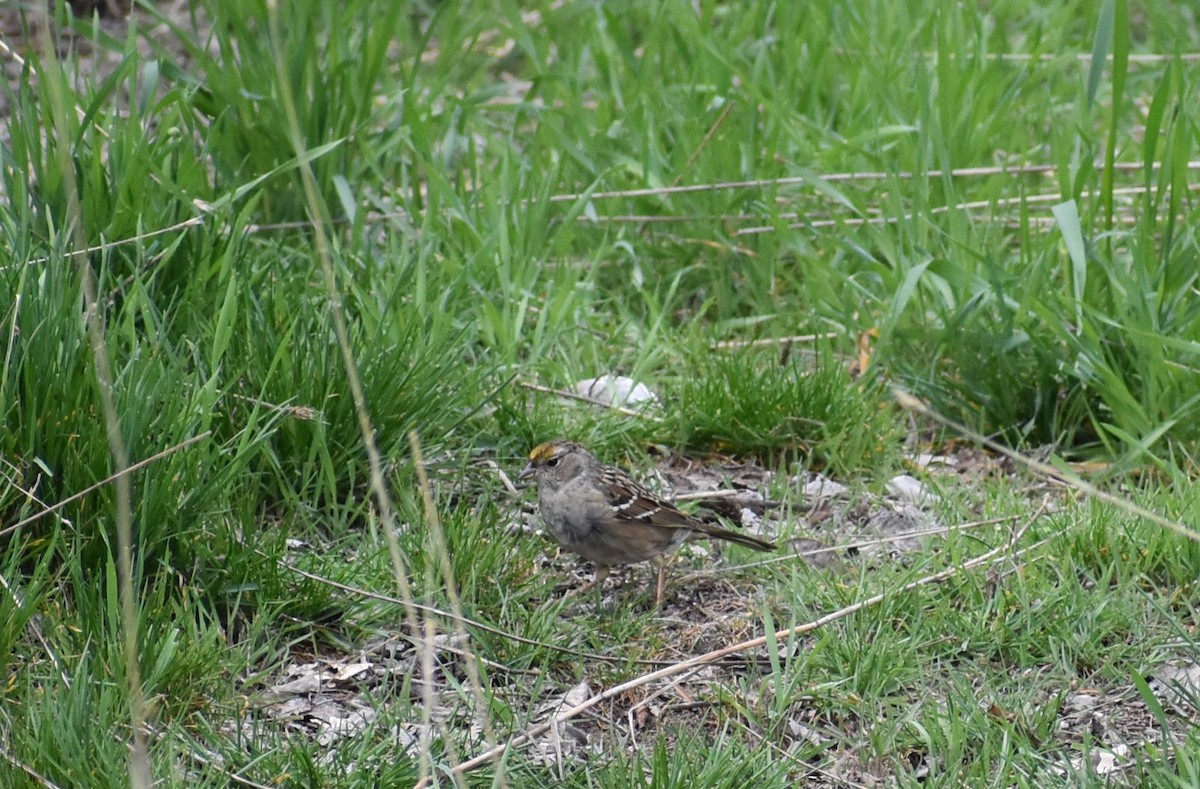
column 552, row 462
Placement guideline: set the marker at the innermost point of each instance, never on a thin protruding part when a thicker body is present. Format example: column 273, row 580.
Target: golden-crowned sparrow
column 598, row 512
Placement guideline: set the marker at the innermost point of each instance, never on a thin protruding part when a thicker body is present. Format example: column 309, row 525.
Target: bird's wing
column 630, row 501
column 634, row 503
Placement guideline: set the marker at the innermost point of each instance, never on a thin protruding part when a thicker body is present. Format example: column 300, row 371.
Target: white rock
column 1177, row 683
column 616, row 390
column 823, row 488
column 1106, row 761
column 926, row 459
column 749, row 517
column 911, row 489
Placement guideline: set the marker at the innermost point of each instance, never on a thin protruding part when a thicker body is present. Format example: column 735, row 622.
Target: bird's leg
column 601, row 574
column 661, row 587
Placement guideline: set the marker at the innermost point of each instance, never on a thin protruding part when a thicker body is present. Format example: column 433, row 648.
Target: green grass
column 483, row 194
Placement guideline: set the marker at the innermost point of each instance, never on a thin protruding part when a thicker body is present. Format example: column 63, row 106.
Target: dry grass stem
column 728, row 344
column 141, row 464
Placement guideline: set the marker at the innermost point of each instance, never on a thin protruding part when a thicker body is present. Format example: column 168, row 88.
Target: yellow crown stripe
column 543, row 452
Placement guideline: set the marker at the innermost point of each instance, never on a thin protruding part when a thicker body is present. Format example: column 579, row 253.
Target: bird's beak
column 525, row 474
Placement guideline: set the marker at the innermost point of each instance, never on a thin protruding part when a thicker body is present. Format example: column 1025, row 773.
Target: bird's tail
column 741, row 539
